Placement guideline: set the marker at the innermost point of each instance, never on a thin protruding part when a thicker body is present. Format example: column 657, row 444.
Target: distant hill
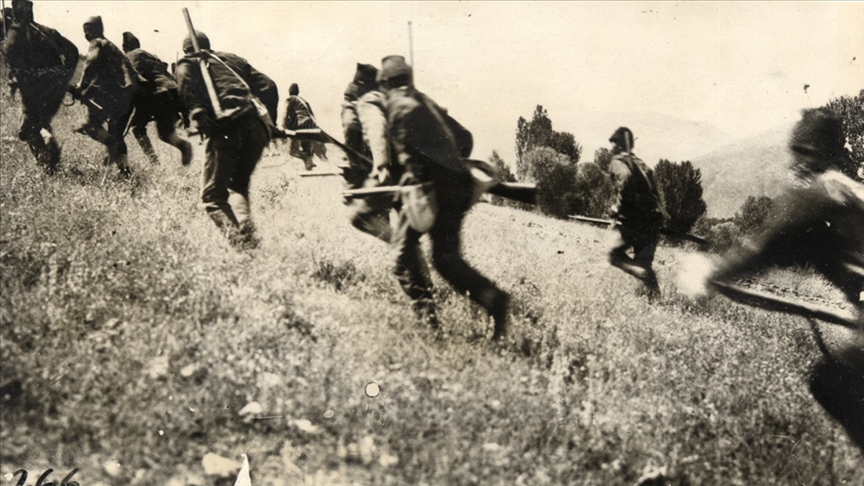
column 657, row 136
column 753, row 166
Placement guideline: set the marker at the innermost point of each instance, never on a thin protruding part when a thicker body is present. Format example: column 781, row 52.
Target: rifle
column 526, row 193
column 775, row 303
column 208, row 81
column 664, row 231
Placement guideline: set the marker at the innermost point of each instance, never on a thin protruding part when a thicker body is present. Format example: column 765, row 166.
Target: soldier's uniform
column 432, row 147
column 819, row 222
column 235, row 142
column 108, row 84
column 364, row 124
column 298, row 116
column 42, row 62
column 156, row 100
column 638, row 212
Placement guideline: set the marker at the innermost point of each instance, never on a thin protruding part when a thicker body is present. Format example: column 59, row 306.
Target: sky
column 736, row 68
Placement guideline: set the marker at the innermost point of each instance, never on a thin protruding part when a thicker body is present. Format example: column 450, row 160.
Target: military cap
column 16, row 4
column 393, row 66
column 130, row 42
column 623, row 137
column 203, row 42
column 365, row 74
column 95, row 21
column 293, row 89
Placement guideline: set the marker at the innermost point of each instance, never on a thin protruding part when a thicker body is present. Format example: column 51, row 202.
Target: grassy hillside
column 137, row 346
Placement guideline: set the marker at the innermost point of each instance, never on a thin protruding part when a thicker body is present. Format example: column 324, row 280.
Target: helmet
column 819, row 133
column 623, row 138
column 203, row 42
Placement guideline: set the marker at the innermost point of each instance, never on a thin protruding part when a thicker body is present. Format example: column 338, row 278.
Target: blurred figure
column 235, row 140
column 156, row 100
column 42, row 62
column 638, row 212
column 298, row 116
column 431, row 147
column 364, row 123
column 818, row 223
column 107, row 86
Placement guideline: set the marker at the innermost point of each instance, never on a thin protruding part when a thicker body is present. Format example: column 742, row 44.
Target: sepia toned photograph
column 278, row 243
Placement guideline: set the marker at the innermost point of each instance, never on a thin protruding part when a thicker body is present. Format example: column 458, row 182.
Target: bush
column 752, row 214
column 681, row 188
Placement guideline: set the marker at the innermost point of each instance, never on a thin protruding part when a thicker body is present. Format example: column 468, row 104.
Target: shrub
column 681, row 187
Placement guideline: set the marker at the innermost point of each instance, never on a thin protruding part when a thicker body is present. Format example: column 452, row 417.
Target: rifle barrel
column 208, row 81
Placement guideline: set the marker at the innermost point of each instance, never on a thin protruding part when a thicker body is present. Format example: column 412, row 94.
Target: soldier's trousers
column 38, row 111
column 115, row 117
column 410, row 266
column 164, row 109
column 233, row 151
column 642, row 240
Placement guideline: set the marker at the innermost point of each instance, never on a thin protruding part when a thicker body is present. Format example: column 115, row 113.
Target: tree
column 556, row 180
column 595, row 189
column 603, row 159
column 681, row 189
column 752, row 213
column 506, row 176
column 539, row 133
column 851, row 111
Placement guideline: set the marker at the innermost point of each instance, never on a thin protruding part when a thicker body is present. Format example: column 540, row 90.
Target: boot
column 146, row 145
column 122, row 162
column 500, row 312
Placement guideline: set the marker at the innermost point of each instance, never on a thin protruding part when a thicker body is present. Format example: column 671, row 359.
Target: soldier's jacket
column 39, row 57
column 108, row 76
column 637, row 198
column 821, row 224
column 426, row 141
column 367, row 115
column 298, row 114
column 234, row 79
column 153, row 70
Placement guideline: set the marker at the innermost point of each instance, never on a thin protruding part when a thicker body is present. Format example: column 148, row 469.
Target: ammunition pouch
column 420, row 205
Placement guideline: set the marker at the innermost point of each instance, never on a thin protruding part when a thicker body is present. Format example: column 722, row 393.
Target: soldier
column 364, row 123
column 298, row 115
column 235, row 140
column 42, row 63
column 108, row 83
column 431, row 148
column 638, row 212
column 819, row 222
column 156, row 100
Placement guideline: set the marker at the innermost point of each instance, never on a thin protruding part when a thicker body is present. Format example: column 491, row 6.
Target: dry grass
column 133, row 333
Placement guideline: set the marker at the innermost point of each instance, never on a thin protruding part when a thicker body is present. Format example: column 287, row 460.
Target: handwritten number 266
column 41, row 480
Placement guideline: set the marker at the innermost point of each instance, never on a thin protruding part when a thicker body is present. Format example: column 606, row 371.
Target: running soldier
column 819, row 223
column 235, row 140
column 364, row 124
column 431, row 148
column 298, row 116
column 156, row 100
column 638, row 212
column 107, row 86
column 42, row 62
